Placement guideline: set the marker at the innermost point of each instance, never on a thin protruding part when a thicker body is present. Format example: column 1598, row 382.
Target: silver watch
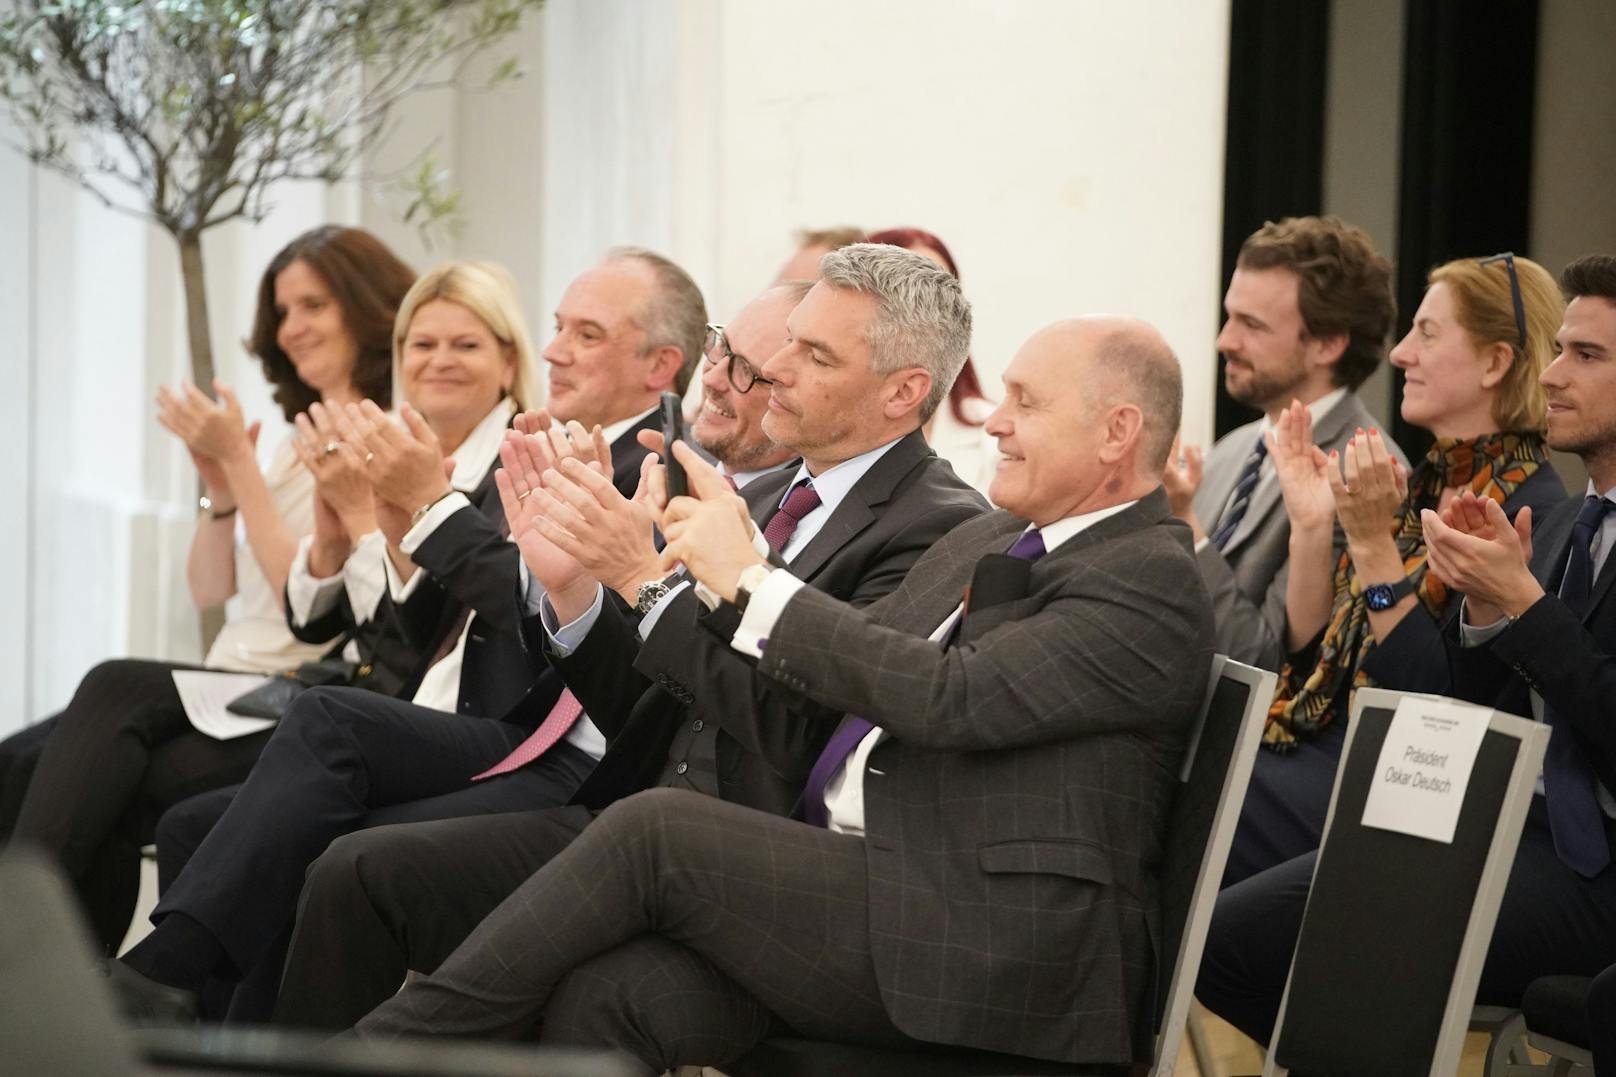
column 651, row 592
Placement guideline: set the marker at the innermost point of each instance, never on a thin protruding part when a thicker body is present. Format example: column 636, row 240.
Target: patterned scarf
column 1492, row 466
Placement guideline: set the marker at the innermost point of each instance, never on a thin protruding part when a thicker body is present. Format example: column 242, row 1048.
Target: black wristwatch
column 1383, row 596
column 651, row 592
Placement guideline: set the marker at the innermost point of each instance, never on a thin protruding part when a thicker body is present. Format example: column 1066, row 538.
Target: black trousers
column 1602, row 1017
column 676, row 927
column 338, row 758
column 379, row 903
column 1552, row 921
column 120, row 753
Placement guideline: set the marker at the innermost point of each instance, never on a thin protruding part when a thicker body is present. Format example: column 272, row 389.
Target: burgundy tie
column 802, row 500
column 562, row 716
column 1029, row 547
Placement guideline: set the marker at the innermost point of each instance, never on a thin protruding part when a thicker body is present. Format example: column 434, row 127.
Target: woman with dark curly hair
column 122, row 750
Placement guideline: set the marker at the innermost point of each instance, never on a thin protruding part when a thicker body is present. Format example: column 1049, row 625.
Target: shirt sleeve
column 1475, row 635
column 568, row 637
column 307, row 596
column 365, row 576
column 764, row 608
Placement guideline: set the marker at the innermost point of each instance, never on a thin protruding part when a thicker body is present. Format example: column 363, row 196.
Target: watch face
column 1380, row 596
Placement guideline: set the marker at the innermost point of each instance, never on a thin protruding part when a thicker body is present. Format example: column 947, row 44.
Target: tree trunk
column 196, row 309
column 201, row 342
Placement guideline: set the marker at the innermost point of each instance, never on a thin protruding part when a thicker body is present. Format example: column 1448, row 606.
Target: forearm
column 1309, row 586
column 210, row 567
column 1376, row 560
column 272, row 543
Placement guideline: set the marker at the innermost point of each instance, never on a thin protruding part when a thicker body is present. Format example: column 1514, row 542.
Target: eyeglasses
column 1508, row 258
column 742, row 374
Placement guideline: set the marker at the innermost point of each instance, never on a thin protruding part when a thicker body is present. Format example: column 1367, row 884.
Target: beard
column 1262, row 389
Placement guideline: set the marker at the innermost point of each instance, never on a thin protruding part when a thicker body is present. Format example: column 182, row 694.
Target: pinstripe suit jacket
column 1015, row 814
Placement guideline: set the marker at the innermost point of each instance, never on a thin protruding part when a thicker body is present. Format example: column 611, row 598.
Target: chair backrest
column 1200, row 829
column 56, row 1014
column 1397, row 926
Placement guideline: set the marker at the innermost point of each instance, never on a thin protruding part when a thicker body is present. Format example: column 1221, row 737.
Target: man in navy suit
column 1537, row 636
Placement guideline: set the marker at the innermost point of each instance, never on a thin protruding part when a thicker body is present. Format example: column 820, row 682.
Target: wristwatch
column 752, row 577
column 651, row 592
column 1383, row 596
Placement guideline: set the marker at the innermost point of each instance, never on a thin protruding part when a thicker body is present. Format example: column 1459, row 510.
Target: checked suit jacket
column 1015, row 811
column 685, row 690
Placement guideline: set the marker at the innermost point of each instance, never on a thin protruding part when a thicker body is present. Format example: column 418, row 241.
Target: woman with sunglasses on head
column 1482, row 335
column 123, row 749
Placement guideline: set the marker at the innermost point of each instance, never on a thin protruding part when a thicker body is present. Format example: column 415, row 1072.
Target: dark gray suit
column 1247, row 577
column 1005, row 894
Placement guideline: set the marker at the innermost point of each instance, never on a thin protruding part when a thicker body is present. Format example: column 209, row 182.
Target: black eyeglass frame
column 739, row 366
column 1508, row 258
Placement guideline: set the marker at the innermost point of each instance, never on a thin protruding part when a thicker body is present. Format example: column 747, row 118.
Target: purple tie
column 1029, row 547
column 802, row 500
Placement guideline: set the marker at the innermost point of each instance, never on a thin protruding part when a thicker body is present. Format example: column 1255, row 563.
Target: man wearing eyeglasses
column 854, row 370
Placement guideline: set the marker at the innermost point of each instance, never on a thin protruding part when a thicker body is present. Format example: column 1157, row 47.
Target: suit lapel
column 1553, row 541
column 855, row 512
column 627, row 452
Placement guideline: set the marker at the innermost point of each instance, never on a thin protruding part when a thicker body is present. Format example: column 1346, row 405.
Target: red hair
column 967, row 386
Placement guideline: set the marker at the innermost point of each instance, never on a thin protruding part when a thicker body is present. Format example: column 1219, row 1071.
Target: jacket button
column 681, row 768
column 696, row 725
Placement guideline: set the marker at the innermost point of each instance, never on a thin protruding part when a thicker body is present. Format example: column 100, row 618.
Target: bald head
column 1127, row 361
column 1091, row 408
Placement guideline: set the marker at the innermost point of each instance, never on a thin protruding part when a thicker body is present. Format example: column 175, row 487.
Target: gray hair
column 923, row 319
column 675, row 315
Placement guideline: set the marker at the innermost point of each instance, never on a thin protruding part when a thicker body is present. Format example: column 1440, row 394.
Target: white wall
column 1071, row 153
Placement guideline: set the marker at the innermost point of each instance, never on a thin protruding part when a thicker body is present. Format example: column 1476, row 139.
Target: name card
column 1425, row 766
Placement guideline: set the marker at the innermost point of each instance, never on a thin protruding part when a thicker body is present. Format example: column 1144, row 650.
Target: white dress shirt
column 844, row 793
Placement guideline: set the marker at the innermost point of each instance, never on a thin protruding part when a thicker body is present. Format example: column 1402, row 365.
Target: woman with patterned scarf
column 1471, row 361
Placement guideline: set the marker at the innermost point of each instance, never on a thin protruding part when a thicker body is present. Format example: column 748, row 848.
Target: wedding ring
column 331, row 447
column 525, row 494
column 369, row 456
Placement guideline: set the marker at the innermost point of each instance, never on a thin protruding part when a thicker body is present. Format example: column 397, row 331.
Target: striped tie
column 1242, row 495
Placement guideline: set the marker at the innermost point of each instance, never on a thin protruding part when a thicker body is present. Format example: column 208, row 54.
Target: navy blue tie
column 1242, row 495
column 1569, row 784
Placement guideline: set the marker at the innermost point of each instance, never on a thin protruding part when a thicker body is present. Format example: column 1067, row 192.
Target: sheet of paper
column 205, row 694
column 1424, row 767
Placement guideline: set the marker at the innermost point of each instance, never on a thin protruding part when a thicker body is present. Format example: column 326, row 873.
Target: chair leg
column 1507, row 1047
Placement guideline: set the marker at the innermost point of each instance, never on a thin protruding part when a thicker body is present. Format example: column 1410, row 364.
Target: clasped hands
column 1473, row 547
column 575, row 529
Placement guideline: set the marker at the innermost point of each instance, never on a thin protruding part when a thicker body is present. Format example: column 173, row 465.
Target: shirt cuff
column 398, row 588
column 648, row 622
column 1475, row 635
column 570, row 636
column 307, row 596
column 1201, row 543
column 764, row 608
column 440, row 511
column 364, row 576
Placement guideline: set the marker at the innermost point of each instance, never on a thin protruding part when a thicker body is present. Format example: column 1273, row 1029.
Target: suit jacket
column 1015, row 813
column 1247, row 577
column 648, row 698
column 472, row 566
column 1414, row 656
column 1569, row 661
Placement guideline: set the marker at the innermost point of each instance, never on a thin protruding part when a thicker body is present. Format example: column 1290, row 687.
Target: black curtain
column 1274, row 149
column 1469, row 87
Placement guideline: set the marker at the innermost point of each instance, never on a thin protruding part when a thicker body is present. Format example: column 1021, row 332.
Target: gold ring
column 331, row 447
column 369, row 456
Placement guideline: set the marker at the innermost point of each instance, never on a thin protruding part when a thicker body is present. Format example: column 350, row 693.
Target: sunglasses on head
column 1508, row 258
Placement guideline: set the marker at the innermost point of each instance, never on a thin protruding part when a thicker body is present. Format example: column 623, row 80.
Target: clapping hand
column 340, row 486
column 1368, row 489
column 1182, row 478
column 405, row 464
column 214, row 433
column 1303, row 470
column 1473, row 547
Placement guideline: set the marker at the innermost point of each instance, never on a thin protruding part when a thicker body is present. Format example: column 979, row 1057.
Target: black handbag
column 274, row 697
